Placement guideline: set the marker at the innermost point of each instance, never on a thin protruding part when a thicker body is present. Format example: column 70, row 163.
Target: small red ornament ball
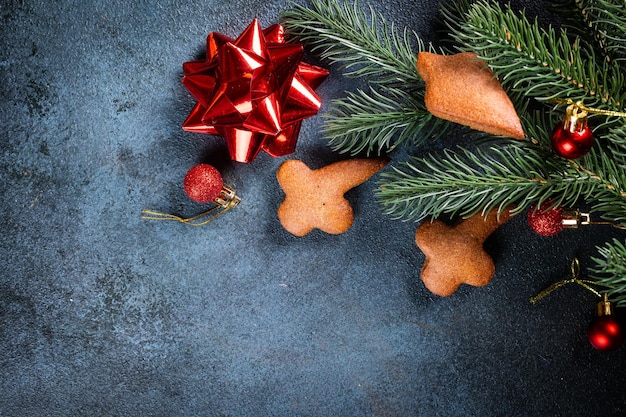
column 203, row 183
column 572, row 143
column 605, row 333
column 546, row 222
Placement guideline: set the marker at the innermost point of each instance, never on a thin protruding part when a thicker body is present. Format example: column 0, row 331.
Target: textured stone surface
column 102, row 313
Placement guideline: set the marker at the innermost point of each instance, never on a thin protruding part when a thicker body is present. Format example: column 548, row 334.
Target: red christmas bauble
column 605, row 333
column 572, row 138
column 546, row 222
column 203, row 183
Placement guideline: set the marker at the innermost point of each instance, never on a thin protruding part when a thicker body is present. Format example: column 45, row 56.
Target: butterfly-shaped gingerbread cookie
column 455, row 254
column 314, row 199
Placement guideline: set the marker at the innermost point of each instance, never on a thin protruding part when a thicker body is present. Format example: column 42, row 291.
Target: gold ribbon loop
column 575, row 269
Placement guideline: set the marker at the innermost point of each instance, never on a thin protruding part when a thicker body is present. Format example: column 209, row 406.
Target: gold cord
column 574, row 219
column 581, row 106
column 198, row 220
column 617, row 226
column 575, row 269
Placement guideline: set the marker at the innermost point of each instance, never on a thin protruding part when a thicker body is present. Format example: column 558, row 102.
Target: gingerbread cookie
column 455, row 254
column 462, row 89
column 314, row 199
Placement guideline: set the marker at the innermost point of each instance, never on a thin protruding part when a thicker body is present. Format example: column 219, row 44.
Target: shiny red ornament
column 254, row 91
column 203, row 183
column 572, row 138
column 605, row 332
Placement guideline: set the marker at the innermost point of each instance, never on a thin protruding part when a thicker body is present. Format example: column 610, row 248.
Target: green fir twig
column 466, row 182
column 358, row 39
column 610, row 270
column 372, row 121
column 604, row 22
column 539, row 63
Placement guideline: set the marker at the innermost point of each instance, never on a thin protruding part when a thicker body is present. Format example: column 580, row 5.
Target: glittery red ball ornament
column 203, row 183
column 605, row 333
column 572, row 138
column 546, row 222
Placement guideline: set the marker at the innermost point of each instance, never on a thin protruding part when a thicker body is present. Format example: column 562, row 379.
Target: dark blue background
column 102, row 313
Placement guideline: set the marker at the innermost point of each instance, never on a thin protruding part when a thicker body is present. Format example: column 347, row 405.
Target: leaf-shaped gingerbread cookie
column 462, row 89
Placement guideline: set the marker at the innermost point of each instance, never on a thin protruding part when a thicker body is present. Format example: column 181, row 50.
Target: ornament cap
column 575, row 118
column 604, row 307
column 573, row 219
column 228, row 197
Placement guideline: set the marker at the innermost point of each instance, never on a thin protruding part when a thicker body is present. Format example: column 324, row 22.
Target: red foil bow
column 254, row 91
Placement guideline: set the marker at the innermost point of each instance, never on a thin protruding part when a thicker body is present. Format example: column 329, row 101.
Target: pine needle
column 373, row 122
column 540, row 63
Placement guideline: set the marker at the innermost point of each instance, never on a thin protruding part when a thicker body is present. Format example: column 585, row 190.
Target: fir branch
column 364, row 44
column 538, row 126
column 452, row 14
column 615, row 139
column 610, row 174
column 610, row 271
column 539, row 63
column 610, row 206
column 465, row 182
column 606, row 20
column 390, row 113
column 602, row 165
column 374, row 122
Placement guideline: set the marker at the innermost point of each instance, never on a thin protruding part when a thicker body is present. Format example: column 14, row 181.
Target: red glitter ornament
column 572, row 138
column 546, row 221
column 254, row 91
column 605, row 332
column 203, row 183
